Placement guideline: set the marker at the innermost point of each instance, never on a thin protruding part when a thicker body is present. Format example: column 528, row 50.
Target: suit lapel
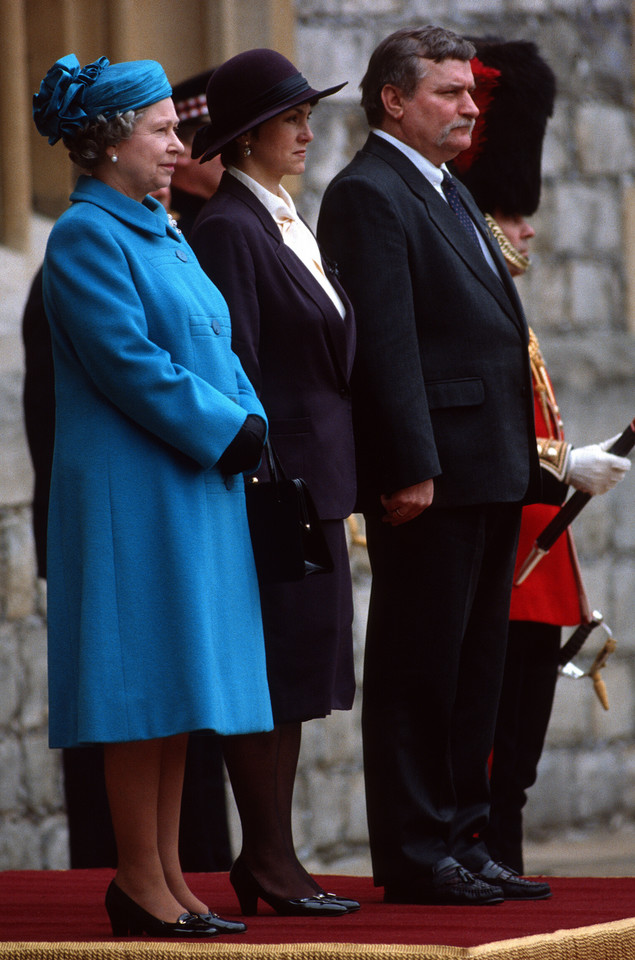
column 235, row 188
column 493, row 247
column 441, row 215
column 335, row 325
column 339, row 341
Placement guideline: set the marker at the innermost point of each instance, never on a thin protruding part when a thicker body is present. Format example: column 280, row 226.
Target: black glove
column 245, row 450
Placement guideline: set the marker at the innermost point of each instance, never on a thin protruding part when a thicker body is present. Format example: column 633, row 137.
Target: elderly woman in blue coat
column 153, row 607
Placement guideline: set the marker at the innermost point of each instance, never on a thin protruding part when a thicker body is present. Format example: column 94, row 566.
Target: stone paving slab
column 604, row 853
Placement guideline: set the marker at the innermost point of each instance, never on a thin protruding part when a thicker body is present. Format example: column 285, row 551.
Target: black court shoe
column 350, row 904
column 248, row 890
column 128, row 919
column 223, row 926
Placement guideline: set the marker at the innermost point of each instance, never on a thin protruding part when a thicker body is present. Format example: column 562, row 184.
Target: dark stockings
column 262, row 769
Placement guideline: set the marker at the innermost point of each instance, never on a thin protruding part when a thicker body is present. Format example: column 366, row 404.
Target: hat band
column 275, row 96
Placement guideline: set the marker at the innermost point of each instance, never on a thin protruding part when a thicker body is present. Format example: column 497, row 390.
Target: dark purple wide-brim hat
column 247, row 90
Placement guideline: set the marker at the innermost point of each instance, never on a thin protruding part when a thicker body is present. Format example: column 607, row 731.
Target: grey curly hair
column 87, row 148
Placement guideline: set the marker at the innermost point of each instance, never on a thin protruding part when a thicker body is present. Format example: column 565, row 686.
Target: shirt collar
column 280, row 205
column 434, row 176
column 432, row 173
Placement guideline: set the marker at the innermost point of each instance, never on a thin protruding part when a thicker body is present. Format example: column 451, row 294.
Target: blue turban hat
column 70, row 95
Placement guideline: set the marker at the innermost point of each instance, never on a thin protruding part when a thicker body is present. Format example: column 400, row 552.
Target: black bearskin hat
column 515, row 92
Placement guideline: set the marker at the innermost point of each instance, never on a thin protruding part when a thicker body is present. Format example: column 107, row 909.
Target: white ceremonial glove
column 593, row 470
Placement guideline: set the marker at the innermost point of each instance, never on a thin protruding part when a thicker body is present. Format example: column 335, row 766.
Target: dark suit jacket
column 293, row 344
column 39, row 409
column 441, row 384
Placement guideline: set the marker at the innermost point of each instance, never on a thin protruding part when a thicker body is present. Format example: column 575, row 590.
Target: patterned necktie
column 454, row 200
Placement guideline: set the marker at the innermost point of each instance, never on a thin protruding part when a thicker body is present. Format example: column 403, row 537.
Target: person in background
column 155, row 423
column 515, row 91
column 203, row 838
column 204, row 833
column 192, row 183
column 446, row 456
column 292, row 327
column 38, row 404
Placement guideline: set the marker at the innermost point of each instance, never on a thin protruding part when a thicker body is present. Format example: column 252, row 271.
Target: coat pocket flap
column 466, row 392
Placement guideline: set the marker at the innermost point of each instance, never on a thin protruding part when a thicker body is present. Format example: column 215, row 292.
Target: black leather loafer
column 450, row 884
column 514, row 886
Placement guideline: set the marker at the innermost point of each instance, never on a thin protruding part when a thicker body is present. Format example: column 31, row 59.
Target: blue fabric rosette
column 70, row 95
column 58, row 108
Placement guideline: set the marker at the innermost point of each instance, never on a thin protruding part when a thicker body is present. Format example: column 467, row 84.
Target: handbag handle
column 276, row 470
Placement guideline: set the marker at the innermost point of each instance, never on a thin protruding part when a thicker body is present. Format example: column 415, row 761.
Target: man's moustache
column 464, row 123
column 459, row 125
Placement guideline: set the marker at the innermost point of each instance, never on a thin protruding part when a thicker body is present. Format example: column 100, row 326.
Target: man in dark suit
column 446, row 456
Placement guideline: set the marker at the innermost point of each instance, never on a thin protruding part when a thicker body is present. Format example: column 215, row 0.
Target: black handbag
column 286, row 531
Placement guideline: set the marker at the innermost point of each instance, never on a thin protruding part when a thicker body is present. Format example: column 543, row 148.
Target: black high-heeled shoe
column 128, row 919
column 248, row 890
column 223, row 926
column 350, row 904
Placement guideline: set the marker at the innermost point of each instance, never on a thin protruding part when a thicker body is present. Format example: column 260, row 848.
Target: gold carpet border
column 604, row 941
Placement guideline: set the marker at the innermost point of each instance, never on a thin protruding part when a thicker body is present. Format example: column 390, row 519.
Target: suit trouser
column 435, row 651
column 529, row 685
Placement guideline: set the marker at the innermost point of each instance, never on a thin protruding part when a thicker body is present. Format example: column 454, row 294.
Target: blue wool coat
column 153, row 608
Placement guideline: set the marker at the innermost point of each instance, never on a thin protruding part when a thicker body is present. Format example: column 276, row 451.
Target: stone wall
column 575, row 297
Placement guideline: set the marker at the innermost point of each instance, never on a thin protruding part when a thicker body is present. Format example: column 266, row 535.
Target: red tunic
column 553, row 591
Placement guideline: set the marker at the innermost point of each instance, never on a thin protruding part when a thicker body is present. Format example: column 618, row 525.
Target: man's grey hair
column 87, row 148
column 397, row 61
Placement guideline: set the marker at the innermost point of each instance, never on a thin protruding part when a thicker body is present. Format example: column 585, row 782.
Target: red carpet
column 67, row 906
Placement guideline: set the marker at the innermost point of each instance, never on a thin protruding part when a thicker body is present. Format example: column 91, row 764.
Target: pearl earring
column 114, row 158
column 247, row 151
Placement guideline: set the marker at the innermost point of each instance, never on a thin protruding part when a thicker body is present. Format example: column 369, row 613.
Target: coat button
column 216, row 327
column 182, row 255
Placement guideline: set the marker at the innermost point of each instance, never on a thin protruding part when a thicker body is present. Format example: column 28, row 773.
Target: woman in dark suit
column 292, row 327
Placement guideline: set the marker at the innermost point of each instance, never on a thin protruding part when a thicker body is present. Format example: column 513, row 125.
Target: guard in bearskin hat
column 192, row 183
column 515, row 91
